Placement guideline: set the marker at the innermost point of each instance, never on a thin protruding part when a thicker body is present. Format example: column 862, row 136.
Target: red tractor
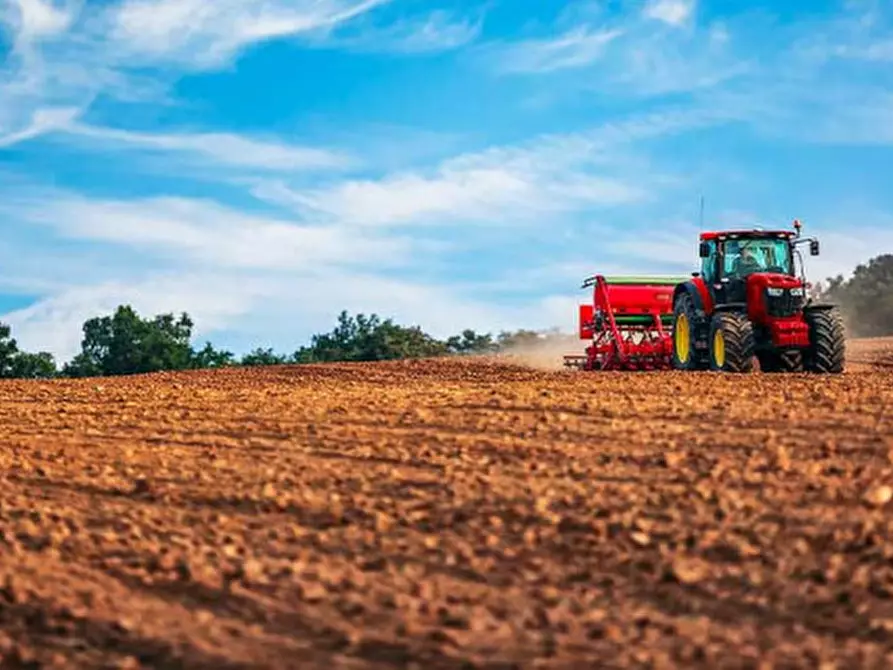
column 748, row 302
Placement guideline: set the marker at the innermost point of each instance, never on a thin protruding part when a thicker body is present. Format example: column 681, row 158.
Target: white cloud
column 437, row 31
column 197, row 33
column 673, row 12
column 34, row 20
column 576, row 48
column 485, row 195
column 207, row 234
column 222, row 149
column 665, row 65
column 43, row 121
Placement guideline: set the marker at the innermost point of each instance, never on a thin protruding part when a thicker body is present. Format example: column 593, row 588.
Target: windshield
column 744, row 257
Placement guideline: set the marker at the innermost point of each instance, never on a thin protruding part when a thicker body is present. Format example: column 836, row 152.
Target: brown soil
column 448, row 514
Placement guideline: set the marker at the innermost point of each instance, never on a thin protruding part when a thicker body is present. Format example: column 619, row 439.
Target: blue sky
column 264, row 164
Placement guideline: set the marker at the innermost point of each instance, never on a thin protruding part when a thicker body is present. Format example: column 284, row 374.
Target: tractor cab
column 732, row 260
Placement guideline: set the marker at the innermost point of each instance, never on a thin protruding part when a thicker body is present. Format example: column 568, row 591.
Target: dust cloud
column 547, row 354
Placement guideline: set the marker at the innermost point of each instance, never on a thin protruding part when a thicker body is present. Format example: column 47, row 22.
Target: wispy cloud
column 222, row 149
column 153, row 30
column 436, row 31
column 504, row 185
column 624, row 55
column 42, row 121
column 205, row 233
column 484, row 196
column 863, row 33
column 574, row 49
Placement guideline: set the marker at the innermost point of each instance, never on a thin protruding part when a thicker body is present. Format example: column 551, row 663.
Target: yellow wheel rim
column 683, row 343
column 719, row 348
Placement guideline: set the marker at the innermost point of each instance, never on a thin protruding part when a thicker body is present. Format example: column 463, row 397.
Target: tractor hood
column 761, row 280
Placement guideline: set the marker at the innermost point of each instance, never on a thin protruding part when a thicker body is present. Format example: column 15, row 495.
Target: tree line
column 126, row 343
column 866, row 298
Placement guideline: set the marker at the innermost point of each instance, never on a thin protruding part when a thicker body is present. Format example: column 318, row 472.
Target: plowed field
column 447, row 514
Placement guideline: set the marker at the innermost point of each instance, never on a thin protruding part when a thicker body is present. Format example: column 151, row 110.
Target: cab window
column 708, row 265
column 743, row 257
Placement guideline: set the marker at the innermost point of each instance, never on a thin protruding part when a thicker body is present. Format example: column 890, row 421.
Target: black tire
column 827, row 342
column 738, row 343
column 783, row 361
column 685, row 317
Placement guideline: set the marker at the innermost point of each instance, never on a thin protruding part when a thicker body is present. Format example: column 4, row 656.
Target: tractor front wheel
column 732, row 343
column 827, row 342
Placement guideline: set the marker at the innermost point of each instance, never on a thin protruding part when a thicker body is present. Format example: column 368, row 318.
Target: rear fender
column 702, row 301
column 699, row 295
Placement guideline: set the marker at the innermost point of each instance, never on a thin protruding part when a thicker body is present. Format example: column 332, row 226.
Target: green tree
column 518, row 339
column 263, row 357
column 41, row 365
column 17, row 364
column 866, row 298
column 124, row 344
column 471, row 342
column 209, row 357
column 363, row 338
column 9, row 350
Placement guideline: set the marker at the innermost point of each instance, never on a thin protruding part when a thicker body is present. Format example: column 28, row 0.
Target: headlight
column 797, row 292
column 775, row 292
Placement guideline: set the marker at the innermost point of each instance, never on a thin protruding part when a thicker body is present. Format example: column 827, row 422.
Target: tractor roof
column 739, row 234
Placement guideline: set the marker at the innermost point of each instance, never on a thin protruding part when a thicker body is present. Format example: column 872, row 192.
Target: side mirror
column 704, row 250
column 813, row 247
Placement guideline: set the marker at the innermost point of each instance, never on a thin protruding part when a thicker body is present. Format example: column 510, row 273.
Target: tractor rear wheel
column 827, row 342
column 732, row 343
column 686, row 356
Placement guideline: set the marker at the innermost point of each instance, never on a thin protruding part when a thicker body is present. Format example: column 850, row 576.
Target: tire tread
column 827, row 351
column 739, row 340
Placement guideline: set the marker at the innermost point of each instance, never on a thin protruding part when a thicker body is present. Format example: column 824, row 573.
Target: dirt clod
column 880, row 495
